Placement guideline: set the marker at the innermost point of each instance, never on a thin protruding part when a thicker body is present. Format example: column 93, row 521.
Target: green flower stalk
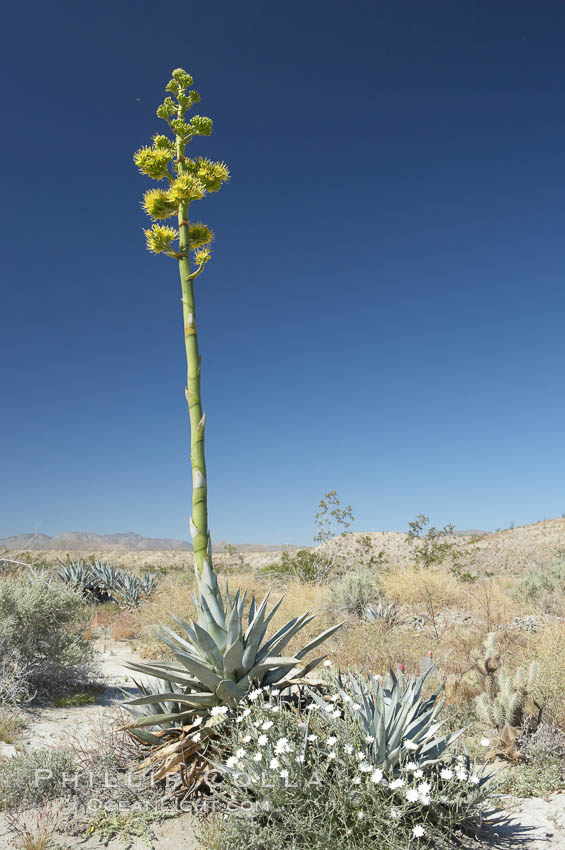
column 186, row 180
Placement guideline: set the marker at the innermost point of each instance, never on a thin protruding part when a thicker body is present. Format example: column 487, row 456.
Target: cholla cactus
column 184, row 181
column 508, row 707
column 487, row 665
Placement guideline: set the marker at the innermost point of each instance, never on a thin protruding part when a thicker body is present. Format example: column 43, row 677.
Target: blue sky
column 384, row 311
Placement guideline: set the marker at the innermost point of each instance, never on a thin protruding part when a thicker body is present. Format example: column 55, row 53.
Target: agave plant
column 394, row 717
column 219, row 658
column 381, row 612
column 76, row 574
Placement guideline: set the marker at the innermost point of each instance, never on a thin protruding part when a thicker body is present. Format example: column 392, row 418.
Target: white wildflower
column 356, row 706
column 424, row 788
column 274, row 763
column 411, row 765
column 257, row 756
column 446, row 773
column 485, row 742
column 332, row 754
column 219, row 709
column 365, row 767
column 284, row 773
column 418, row 774
column 334, row 698
column 396, row 783
column 239, row 753
column 356, row 780
column 312, row 737
column 425, row 799
column 231, row 762
column 252, row 695
column 474, row 780
column 299, row 759
column 370, row 739
column 327, row 663
column 262, row 740
column 198, row 720
column 410, row 745
column 267, row 724
column 395, row 814
column 376, row 776
column 282, row 746
column 348, row 749
column 246, row 739
column 412, row 795
column 331, row 741
column 360, row 814
column 196, row 737
column 418, row 831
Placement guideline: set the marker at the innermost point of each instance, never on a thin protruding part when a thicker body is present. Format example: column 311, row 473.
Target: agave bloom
column 219, row 658
column 395, row 717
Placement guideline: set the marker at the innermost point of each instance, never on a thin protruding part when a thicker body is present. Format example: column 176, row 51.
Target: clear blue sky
column 384, row 312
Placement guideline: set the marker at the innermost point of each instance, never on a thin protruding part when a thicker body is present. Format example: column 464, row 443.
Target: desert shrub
column 307, row 565
column 41, row 631
column 532, row 780
column 312, row 781
column 543, row 587
column 26, row 780
column 354, row 591
column 548, row 649
column 10, row 725
column 547, row 743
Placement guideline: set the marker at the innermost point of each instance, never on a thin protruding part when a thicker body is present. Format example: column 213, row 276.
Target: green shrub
column 306, row 565
column 34, row 777
column 311, row 781
column 40, row 630
column 354, row 591
column 543, row 587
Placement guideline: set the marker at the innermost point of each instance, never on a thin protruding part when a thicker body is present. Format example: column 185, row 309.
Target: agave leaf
column 233, row 627
column 184, row 625
column 257, row 622
column 284, row 635
column 165, row 634
column 204, row 674
column 229, row 692
column 271, row 663
column 251, row 614
column 147, row 737
column 317, row 641
column 208, row 647
column 233, row 660
column 161, row 673
column 185, row 699
column 156, row 720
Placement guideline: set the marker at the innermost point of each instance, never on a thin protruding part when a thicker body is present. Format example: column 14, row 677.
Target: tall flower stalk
column 186, row 180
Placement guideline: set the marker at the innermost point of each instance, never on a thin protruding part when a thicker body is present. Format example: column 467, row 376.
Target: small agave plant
column 219, row 658
column 394, row 718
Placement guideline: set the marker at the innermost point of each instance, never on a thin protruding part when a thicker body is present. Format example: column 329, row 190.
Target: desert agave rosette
column 219, row 658
column 397, row 722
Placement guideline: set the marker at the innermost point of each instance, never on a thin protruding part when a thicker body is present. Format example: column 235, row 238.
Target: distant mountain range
column 85, row 541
